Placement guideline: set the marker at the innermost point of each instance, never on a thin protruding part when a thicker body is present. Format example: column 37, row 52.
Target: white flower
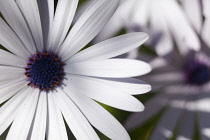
column 183, row 86
column 47, row 78
column 164, row 20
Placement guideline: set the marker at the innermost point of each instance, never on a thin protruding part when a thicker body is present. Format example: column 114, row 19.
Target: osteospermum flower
column 183, row 86
column 45, row 77
column 164, row 20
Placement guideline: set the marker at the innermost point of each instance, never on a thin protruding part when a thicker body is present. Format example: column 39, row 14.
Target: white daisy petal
column 81, row 9
column 111, row 96
column 187, row 36
column 88, row 26
column 129, row 85
column 10, row 41
column 166, row 42
column 165, row 78
column 203, row 108
column 8, row 73
column 206, row 31
column 4, row 82
column 30, row 12
column 14, row 18
column 117, row 22
column 46, row 9
column 206, row 26
column 10, row 109
column 186, row 131
column 153, row 106
column 9, row 59
column 165, row 126
column 99, row 117
column 206, row 7
column 22, row 123
column 113, row 27
column 141, row 10
column 195, row 15
column 10, row 89
column 63, row 18
column 113, row 68
column 111, row 48
column 56, row 128
column 161, row 32
column 76, row 121
column 39, row 124
column 206, row 134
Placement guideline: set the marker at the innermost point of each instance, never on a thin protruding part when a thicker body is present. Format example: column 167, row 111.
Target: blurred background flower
column 164, row 20
column 181, row 80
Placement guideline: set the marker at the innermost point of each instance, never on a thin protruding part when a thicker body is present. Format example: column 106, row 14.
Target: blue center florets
column 197, row 73
column 45, row 71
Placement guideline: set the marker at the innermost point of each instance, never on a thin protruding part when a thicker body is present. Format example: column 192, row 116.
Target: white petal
column 167, row 124
column 206, row 133
column 129, row 85
column 186, row 131
column 117, row 22
column 103, row 93
column 76, row 121
column 111, row 48
column 203, row 118
column 81, row 9
column 99, row 117
column 56, row 128
column 152, row 107
column 16, row 21
column 165, row 44
column 111, row 29
column 141, row 11
column 10, row 89
column 64, row 14
column 4, row 82
column 112, row 68
column 195, row 15
column 179, row 26
column 39, row 124
column 8, row 73
column 9, row 59
column 10, row 109
column 206, row 9
column 88, row 26
column 160, row 32
column 165, row 78
column 206, row 31
column 46, row 9
column 10, row 41
column 22, row 123
column 31, row 14
column 161, row 64
column 206, row 26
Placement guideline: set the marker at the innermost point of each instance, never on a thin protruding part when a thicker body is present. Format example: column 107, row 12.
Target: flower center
column 45, row 71
column 197, row 73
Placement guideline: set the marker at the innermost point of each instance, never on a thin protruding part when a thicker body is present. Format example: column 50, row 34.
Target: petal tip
column 141, row 108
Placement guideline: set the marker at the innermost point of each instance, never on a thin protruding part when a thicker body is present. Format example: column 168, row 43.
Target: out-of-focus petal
column 193, row 10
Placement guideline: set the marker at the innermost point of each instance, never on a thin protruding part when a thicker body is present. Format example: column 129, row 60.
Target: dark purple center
column 45, row 71
column 197, row 73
